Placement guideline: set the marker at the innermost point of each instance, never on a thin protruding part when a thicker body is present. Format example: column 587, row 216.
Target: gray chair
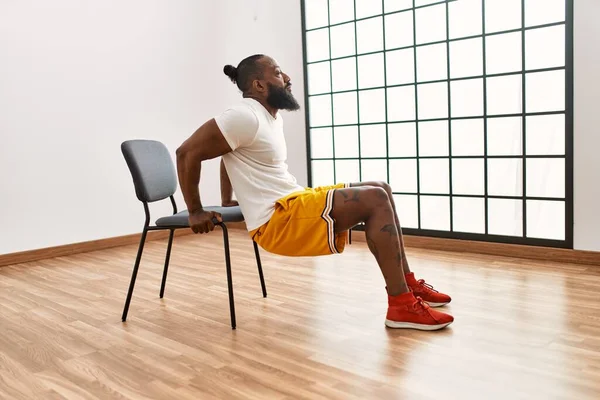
column 155, row 179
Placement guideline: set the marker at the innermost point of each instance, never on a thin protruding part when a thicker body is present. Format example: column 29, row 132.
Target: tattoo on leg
column 354, row 195
column 391, row 229
column 373, row 248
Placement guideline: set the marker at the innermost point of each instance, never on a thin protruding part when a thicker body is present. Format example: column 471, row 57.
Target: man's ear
column 259, row 86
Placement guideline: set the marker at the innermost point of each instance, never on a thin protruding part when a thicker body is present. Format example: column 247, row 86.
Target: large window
column 463, row 107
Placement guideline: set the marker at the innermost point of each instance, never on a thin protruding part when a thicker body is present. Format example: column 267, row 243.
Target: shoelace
column 422, row 282
column 420, row 306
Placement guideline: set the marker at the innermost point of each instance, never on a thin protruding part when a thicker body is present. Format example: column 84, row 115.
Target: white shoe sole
column 411, row 325
column 436, row 304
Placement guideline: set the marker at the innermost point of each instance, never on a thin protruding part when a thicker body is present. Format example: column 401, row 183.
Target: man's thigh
column 353, row 205
column 381, row 184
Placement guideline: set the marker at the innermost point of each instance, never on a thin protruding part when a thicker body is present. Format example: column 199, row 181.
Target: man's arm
column 226, row 188
column 205, row 144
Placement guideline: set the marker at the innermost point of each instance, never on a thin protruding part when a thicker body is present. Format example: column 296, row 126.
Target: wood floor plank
column 63, row 387
column 16, row 381
column 318, row 335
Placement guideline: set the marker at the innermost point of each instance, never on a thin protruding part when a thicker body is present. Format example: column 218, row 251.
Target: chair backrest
column 151, row 168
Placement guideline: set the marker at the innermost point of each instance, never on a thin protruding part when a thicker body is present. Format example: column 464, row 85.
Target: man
column 285, row 218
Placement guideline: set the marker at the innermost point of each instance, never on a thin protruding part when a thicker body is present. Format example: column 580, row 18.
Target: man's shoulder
column 240, row 110
column 238, row 124
column 252, row 112
column 242, row 105
column 246, row 104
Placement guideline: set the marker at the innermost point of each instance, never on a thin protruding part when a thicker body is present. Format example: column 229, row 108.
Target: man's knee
column 376, row 196
column 385, row 186
column 380, row 184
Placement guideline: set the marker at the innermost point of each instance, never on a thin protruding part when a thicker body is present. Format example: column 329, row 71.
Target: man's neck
column 271, row 110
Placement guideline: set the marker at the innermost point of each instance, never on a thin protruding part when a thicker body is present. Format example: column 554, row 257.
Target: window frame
column 568, row 114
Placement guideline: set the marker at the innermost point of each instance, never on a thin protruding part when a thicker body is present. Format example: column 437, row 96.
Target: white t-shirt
column 257, row 163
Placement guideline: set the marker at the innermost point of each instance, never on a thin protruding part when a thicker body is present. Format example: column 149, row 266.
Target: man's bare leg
column 371, row 205
column 388, row 190
column 418, row 286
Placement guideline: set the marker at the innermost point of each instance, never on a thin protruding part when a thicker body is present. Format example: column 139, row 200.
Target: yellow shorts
column 302, row 226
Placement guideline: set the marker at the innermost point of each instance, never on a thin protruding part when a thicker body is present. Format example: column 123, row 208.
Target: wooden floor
column 523, row 329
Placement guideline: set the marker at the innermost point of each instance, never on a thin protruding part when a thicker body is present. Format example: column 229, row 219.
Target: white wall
column 89, row 74
column 587, row 125
column 78, row 77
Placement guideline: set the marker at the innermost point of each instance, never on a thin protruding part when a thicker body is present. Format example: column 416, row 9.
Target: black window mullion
column 485, row 123
column 454, row 118
column 483, row 36
column 523, row 121
column 443, row 157
column 306, row 97
column 462, row 78
column 416, row 115
column 524, row 114
column 449, row 116
column 357, row 95
column 331, row 94
column 387, row 140
column 569, row 123
column 481, row 196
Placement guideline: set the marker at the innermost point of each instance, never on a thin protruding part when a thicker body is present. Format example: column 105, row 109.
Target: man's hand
column 230, row 203
column 201, row 221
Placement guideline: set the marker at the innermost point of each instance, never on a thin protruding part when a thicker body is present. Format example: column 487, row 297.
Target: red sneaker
column 426, row 291
column 410, row 312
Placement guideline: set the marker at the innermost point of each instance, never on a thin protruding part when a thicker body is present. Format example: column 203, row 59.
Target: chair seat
column 229, row 214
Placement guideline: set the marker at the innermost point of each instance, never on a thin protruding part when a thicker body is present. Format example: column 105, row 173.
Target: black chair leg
column 134, row 275
column 350, row 236
column 229, row 280
column 167, row 258
column 260, row 271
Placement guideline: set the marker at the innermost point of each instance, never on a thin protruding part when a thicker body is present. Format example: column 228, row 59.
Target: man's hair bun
column 231, row 72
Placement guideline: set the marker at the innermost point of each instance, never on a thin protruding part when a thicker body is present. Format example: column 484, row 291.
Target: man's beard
column 281, row 99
